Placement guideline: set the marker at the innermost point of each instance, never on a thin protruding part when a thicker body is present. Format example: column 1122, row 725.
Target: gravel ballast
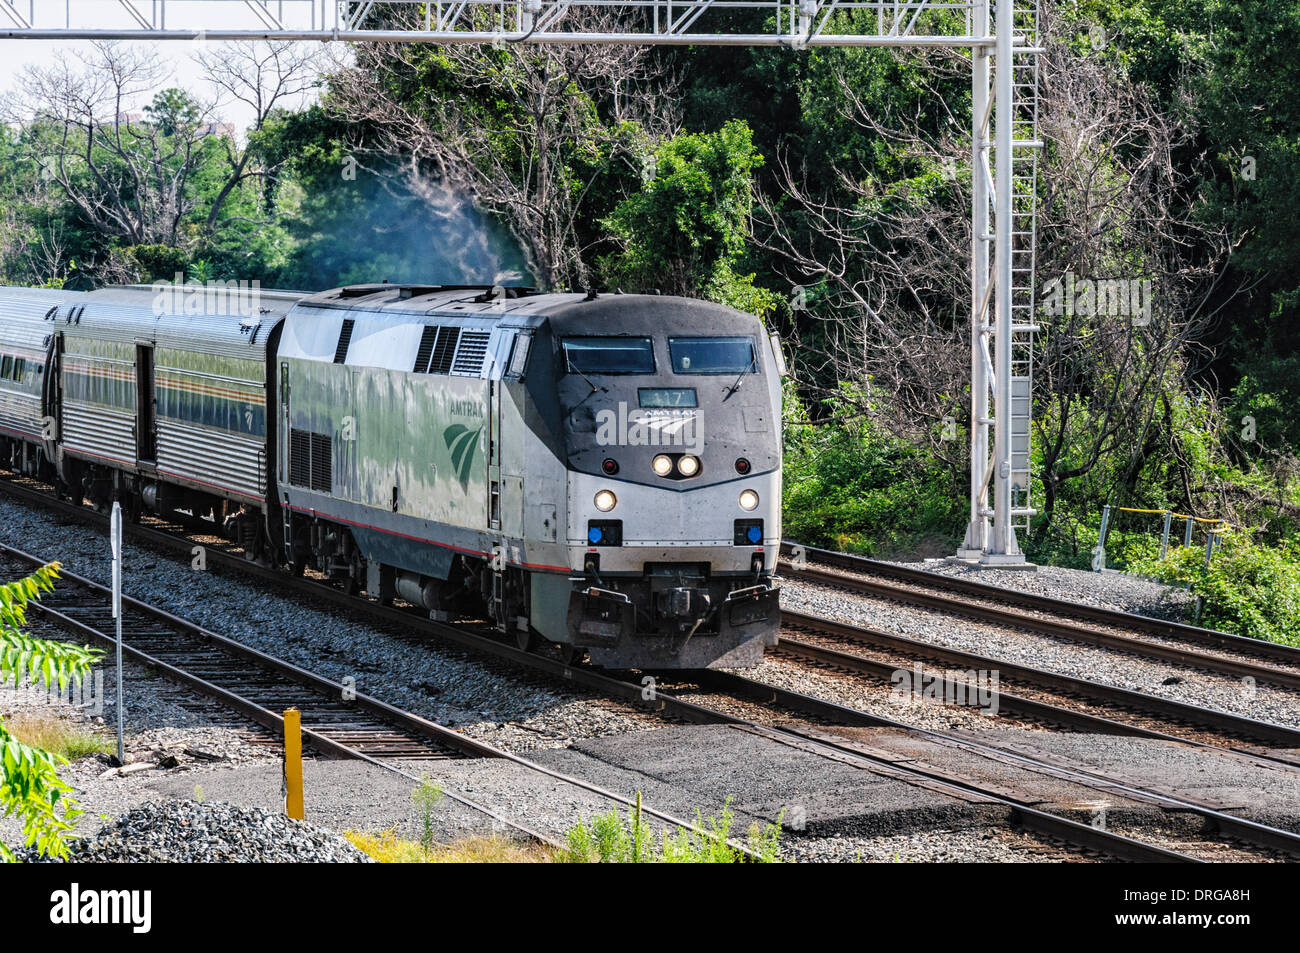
column 190, row 832
column 1107, row 590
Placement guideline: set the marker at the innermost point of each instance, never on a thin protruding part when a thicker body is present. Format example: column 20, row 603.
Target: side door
column 146, row 416
column 508, row 427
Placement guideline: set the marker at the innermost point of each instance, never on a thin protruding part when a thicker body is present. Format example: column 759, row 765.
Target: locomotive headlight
column 688, row 466
column 662, row 465
column 606, row 501
column 748, row 500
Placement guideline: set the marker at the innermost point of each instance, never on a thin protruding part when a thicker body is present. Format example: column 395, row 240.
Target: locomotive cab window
column 608, row 355
column 713, row 355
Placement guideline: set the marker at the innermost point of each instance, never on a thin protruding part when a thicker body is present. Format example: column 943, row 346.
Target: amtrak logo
column 461, row 441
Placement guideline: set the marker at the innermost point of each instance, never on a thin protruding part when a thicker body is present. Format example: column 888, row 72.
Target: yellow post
column 293, row 764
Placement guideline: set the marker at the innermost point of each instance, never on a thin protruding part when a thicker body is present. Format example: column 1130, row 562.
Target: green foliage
column 1248, row 588
column 30, row 787
column 614, row 839
column 686, row 230
column 851, row 486
column 426, row 797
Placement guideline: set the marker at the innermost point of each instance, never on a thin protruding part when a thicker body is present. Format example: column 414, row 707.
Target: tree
column 262, row 76
column 544, row 138
column 173, row 111
column 127, row 178
column 29, row 783
column 170, row 176
column 886, row 256
column 688, row 227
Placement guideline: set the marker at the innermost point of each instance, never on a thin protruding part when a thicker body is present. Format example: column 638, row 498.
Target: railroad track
column 1126, row 710
column 1044, row 823
column 1260, row 836
column 1076, row 622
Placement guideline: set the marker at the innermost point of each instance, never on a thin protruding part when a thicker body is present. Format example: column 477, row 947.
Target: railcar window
column 20, row 367
column 7, row 367
column 609, row 355
column 666, row 397
column 712, row 355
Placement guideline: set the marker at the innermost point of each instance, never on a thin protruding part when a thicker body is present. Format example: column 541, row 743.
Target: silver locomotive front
column 673, row 449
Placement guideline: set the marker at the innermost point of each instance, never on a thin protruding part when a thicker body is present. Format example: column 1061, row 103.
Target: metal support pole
column 1002, row 548
column 977, row 529
column 1164, row 537
column 1099, row 555
column 293, row 799
column 115, row 536
column 1187, row 531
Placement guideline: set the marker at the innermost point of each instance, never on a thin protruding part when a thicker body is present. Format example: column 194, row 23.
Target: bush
column 1248, row 589
column 614, row 839
column 30, row 787
column 851, row 486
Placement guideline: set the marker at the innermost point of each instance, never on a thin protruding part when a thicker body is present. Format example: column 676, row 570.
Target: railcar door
column 510, row 443
column 146, row 420
column 494, row 454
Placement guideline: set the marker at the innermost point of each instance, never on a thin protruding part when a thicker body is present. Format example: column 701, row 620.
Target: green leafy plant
column 614, row 839
column 426, row 798
column 30, row 786
column 1247, row 588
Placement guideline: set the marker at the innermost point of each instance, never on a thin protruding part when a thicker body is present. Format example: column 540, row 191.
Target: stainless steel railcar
column 601, row 472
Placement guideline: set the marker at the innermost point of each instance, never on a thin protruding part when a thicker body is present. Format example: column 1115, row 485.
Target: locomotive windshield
column 712, row 355
column 609, row 355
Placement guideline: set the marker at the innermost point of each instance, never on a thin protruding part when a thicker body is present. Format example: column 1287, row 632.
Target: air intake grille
column 299, row 458
column 443, row 351
column 427, row 337
column 470, row 354
column 311, row 460
column 322, row 463
column 345, row 338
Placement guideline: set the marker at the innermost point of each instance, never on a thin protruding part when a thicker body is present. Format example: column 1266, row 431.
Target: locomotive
column 597, row 471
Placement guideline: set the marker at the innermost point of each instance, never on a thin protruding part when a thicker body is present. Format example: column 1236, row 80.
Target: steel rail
column 1075, row 632
column 1262, row 835
column 1177, row 631
column 457, row 635
column 1052, row 681
column 259, row 714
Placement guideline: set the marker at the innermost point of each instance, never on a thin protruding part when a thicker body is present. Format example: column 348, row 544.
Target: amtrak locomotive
column 602, row 472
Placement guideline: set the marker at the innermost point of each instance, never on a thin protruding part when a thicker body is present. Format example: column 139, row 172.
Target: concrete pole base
column 1006, row 561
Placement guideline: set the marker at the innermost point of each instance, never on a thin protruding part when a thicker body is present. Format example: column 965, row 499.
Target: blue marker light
column 754, row 534
column 594, row 535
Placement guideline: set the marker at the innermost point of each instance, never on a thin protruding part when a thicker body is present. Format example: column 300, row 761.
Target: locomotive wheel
column 527, row 639
column 570, row 654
